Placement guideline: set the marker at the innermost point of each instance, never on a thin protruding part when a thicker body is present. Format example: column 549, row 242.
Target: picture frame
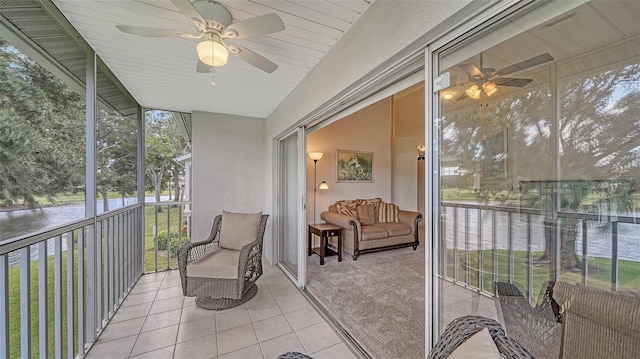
column 354, row 166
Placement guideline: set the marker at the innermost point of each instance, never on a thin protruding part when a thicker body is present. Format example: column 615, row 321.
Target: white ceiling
column 161, row 72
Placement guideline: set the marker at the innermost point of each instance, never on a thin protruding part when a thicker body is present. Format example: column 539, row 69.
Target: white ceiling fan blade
column 254, row 59
column 255, row 26
column 148, row 31
column 187, row 9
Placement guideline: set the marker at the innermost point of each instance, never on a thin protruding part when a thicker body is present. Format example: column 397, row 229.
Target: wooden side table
column 324, row 231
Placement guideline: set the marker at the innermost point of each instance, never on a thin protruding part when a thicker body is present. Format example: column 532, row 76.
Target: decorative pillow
column 347, row 208
column 374, row 201
column 478, row 346
column 366, row 214
column 387, row 212
column 239, row 229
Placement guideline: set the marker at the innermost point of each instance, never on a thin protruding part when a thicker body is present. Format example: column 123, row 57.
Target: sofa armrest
column 409, row 217
column 340, row 220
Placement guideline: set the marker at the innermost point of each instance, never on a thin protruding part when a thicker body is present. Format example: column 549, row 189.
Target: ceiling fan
column 214, row 25
column 485, row 80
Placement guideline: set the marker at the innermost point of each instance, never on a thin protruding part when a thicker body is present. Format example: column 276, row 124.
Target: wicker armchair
column 212, row 273
column 461, row 329
column 538, row 328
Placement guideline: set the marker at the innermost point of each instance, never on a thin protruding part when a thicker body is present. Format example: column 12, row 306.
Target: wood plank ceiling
column 161, row 72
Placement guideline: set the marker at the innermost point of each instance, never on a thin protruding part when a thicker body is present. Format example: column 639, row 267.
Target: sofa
column 370, row 225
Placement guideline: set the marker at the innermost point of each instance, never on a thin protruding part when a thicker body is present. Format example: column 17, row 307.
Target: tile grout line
column 164, row 275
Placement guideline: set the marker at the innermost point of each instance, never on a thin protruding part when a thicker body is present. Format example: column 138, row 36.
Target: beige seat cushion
column 395, row 229
column 239, row 229
column 478, row 346
column 221, row 263
column 373, row 232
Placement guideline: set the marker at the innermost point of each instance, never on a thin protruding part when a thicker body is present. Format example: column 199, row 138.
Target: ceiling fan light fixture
column 489, row 88
column 448, row 95
column 473, row 92
column 212, row 53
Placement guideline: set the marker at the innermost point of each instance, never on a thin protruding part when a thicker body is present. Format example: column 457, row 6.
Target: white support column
column 90, row 197
column 25, row 302
column 70, row 294
column 57, row 296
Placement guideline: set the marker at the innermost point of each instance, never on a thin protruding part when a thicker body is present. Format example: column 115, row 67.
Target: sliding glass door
column 290, row 204
column 536, row 166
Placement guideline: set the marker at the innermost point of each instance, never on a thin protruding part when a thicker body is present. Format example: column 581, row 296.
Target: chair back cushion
column 239, row 229
column 598, row 323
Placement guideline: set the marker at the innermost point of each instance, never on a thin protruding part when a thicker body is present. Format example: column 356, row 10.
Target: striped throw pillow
column 387, row 212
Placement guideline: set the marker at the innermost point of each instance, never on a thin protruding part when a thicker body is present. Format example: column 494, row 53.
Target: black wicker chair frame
column 461, row 329
column 222, row 293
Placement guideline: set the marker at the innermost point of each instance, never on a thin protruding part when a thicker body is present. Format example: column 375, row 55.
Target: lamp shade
column 315, row 155
column 489, row 88
column 323, row 185
column 212, row 53
column 473, row 92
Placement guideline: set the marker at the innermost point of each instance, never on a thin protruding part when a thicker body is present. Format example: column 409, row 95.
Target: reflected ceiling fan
column 214, row 25
column 485, row 80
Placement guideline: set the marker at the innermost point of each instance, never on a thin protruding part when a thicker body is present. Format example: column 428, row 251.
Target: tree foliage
column 116, row 155
column 41, row 131
column 163, row 143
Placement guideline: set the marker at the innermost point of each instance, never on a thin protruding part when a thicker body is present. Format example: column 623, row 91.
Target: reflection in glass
column 538, row 180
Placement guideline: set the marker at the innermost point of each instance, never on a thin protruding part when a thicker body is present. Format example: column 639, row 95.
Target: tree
column 116, row 153
column 163, row 143
column 41, row 131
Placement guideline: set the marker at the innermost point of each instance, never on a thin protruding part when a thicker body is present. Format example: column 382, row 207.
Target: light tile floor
column 157, row 321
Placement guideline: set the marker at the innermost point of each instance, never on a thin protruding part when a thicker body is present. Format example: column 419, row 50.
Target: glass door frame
column 300, row 278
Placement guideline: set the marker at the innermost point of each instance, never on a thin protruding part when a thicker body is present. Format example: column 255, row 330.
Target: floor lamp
column 315, row 156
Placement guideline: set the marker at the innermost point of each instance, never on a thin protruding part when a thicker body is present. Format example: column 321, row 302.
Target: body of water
column 599, row 237
column 23, row 222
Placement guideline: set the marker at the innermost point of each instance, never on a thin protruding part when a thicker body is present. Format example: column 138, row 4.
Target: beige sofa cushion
column 478, row 346
column 239, row 229
column 373, row 232
column 221, row 263
column 395, row 229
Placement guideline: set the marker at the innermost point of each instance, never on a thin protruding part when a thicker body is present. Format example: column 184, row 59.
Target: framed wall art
column 354, row 166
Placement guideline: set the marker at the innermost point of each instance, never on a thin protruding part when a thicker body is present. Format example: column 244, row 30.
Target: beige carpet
column 378, row 299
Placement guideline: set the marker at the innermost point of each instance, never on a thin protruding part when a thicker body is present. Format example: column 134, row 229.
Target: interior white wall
column 368, row 130
column 228, row 167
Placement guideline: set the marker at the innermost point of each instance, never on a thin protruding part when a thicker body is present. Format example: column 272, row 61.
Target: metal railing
column 70, row 280
column 167, row 227
column 483, row 244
